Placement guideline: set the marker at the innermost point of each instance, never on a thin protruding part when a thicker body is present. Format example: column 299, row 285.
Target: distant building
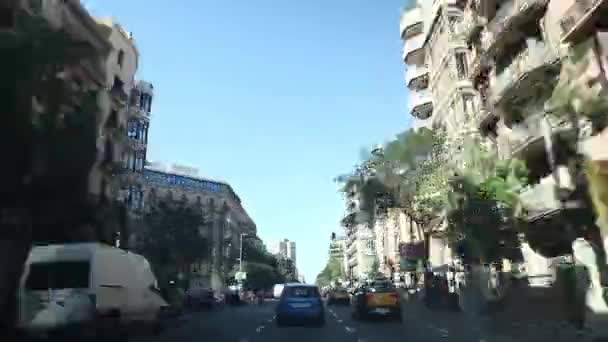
column 285, row 249
column 229, row 217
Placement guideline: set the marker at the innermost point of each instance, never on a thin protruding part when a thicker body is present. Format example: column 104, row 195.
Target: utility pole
column 241, row 252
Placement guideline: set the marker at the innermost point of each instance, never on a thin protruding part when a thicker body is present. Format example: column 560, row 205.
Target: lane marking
column 349, row 329
column 340, row 321
column 270, row 320
column 259, row 329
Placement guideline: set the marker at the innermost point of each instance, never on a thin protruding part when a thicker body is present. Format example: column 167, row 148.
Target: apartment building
column 360, row 240
column 417, row 73
column 433, row 43
column 387, row 236
column 218, row 200
column 285, row 249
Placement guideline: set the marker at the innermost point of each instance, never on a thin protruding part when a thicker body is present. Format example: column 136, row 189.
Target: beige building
column 218, row 200
column 360, row 240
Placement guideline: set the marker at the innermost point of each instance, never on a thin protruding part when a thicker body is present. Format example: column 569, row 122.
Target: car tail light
column 369, row 295
column 395, row 295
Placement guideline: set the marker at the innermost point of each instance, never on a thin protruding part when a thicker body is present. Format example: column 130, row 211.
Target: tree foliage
column 410, row 173
column 374, row 271
column 172, row 237
column 263, row 269
column 333, row 271
column 482, row 203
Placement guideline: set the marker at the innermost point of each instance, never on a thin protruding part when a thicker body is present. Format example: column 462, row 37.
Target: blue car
column 300, row 303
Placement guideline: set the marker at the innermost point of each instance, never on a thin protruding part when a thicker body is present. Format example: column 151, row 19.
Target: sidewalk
column 508, row 326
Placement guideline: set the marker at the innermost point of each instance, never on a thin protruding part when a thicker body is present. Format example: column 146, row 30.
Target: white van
column 277, row 290
column 90, row 288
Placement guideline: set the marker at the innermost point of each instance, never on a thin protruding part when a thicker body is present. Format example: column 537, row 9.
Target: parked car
column 300, row 303
column 379, row 297
column 200, row 298
column 88, row 290
column 338, row 295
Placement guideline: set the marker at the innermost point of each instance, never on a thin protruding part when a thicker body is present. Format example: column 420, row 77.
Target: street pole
column 241, row 253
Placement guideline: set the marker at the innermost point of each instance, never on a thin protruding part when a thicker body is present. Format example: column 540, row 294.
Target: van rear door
column 56, row 293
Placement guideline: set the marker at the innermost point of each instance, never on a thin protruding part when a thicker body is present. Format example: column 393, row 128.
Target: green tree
column 172, row 240
column 483, row 201
column 49, row 133
column 374, row 271
column 263, row 269
column 332, row 271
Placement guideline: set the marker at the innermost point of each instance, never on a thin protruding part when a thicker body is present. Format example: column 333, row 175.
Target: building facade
column 360, row 240
column 285, row 249
column 222, row 205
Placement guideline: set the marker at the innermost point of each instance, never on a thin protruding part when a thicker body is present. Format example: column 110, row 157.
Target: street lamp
column 241, row 252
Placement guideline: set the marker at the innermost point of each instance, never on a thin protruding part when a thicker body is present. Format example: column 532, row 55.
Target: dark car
column 379, row 298
column 300, row 303
column 338, row 296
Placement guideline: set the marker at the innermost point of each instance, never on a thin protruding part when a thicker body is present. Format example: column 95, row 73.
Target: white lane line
column 270, row 320
column 340, row 321
column 349, row 329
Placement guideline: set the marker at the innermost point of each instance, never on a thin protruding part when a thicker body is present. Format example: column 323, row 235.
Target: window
column 452, row 20
column 301, row 291
column 371, row 245
column 120, row 58
column 468, row 103
column 461, row 65
column 59, row 275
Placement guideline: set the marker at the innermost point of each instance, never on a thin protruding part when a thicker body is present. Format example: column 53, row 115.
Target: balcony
column 470, row 26
column 534, row 66
column 487, row 122
column 503, row 28
column 411, row 23
column 413, row 50
column 118, row 93
column 417, row 78
column 137, row 112
column 539, row 199
column 581, row 18
column 421, row 104
column 136, row 144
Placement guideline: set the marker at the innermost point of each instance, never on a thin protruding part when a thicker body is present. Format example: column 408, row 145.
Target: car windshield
column 301, row 292
column 382, row 285
column 58, row 275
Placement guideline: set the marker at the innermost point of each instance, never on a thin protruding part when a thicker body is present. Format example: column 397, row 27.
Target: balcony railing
column 470, row 25
column 510, row 15
column 540, row 198
column 413, row 47
column 119, row 93
column 535, row 57
column 580, row 17
column 421, row 103
column 137, row 112
column 414, row 77
column 410, row 21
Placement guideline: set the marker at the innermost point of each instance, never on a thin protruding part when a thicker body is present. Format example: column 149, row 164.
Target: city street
column 255, row 323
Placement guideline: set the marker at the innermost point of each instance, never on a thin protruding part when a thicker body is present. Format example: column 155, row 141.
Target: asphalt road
column 256, row 323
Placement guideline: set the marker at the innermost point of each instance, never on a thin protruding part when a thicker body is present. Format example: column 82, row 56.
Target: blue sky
column 276, row 97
